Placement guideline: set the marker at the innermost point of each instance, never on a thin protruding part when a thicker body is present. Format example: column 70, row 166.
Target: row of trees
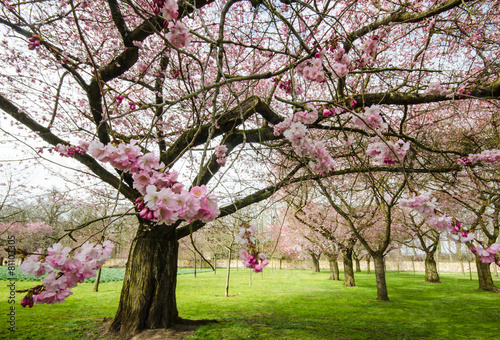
column 60, row 217
column 250, row 98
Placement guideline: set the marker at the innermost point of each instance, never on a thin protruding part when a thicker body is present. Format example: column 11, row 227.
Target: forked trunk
column 484, row 276
column 348, row 269
column 147, row 299
column 334, row 270
column 431, row 273
column 378, row 260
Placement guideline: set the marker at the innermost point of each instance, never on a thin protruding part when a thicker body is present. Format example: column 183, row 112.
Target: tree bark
column 97, row 280
column 315, row 263
column 348, row 269
column 431, row 272
column 358, row 265
column 484, row 277
column 378, row 260
column 334, row 270
column 368, row 265
column 147, row 299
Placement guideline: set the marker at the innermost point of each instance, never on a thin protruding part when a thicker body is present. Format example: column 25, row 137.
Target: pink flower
column 488, row 255
column 148, row 162
column 152, row 197
column 199, row 192
column 28, row 299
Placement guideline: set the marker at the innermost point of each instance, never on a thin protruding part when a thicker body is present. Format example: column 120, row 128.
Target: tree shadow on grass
column 183, row 329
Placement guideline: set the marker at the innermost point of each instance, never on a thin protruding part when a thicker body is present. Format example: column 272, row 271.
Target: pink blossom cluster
column 387, row 152
column 34, row 42
column 169, row 204
column 309, row 116
column 250, row 256
column 312, row 69
column 423, row 204
column 341, row 61
column 369, row 50
column 220, row 153
column 295, row 131
column 69, row 150
column 177, row 34
column 165, row 200
column 168, row 9
column 487, row 156
column 287, row 87
column 65, row 268
column 331, row 112
column 487, row 255
column 370, row 120
column 429, row 209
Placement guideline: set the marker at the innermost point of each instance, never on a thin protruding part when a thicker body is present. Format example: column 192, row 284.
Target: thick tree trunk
column 484, row 276
column 315, row 263
column 431, row 272
column 378, row 260
column 358, row 265
column 348, row 269
column 147, row 299
column 334, row 270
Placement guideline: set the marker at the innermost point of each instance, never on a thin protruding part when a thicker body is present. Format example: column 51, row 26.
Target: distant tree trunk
column 280, row 263
column 315, row 263
column 348, row 269
column 195, row 263
column 228, row 271
column 215, row 264
column 368, row 265
column 431, row 272
column 470, row 270
column 147, row 299
column 358, row 265
column 378, row 260
column 484, row 277
column 334, row 268
column 97, row 280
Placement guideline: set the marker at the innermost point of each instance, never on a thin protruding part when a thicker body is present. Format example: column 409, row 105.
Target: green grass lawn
column 287, row 304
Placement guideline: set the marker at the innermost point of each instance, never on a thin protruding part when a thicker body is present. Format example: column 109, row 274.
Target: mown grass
column 287, row 304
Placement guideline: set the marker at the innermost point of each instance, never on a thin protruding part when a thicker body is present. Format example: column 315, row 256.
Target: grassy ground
column 287, row 304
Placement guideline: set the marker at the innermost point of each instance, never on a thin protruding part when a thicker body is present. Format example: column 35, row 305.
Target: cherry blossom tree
column 428, row 240
column 332, row 231
column 481, row 213
column 138, row 92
